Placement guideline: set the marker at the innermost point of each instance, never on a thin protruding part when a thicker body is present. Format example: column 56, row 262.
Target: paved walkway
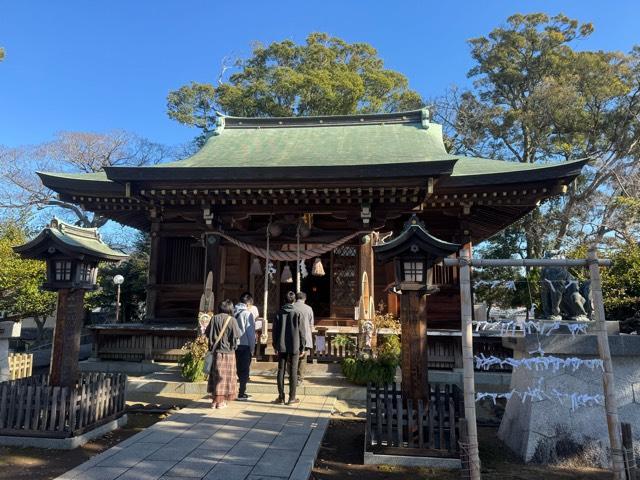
column 248, row 441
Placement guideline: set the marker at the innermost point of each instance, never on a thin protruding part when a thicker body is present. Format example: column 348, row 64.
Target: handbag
column 208, row 358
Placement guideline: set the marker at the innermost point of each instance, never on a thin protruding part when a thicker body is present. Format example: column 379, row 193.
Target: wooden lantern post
column 72, row 255
column 414, row 251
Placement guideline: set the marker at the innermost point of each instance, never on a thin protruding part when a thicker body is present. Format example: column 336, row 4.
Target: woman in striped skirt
column 223, row 334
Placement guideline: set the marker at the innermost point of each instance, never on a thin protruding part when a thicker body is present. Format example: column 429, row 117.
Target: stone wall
column 548, row 431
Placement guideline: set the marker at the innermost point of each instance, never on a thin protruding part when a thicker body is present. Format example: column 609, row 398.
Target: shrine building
column 320, row 189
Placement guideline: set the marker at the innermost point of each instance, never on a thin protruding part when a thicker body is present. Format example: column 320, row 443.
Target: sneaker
column 221, row 405
column 244, row 397
column 279, row 401
column 293, row 401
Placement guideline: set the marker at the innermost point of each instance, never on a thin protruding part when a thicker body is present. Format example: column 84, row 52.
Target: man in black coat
column 288, row 342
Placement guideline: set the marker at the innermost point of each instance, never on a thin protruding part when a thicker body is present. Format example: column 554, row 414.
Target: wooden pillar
column 610, row 402
column 413, row 319
column 152, row 275
column 467, row 362
column 66, row 338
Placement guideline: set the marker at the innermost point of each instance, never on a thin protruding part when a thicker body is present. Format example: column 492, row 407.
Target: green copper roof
column 71, row 240
column 319, row 147
column 295, row 146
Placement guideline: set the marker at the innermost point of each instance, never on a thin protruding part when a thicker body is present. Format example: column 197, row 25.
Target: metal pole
column 610, row 402
column 118, row 305
column 527, row 262
column 467, row 364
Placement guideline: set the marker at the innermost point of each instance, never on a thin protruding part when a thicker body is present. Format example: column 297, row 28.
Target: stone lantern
column 414, row 251
column 72, row 255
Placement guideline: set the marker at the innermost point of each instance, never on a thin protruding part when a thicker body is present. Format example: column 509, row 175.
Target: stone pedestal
column 548, row 430
column 5, row 373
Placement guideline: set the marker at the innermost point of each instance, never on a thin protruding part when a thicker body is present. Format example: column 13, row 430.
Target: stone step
column 336, row 386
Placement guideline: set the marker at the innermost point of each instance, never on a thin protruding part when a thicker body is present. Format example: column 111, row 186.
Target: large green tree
column 536, row 98
column 20, row 281
column 323, row 76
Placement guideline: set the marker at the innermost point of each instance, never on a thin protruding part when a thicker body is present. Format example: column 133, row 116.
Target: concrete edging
column 408, row 461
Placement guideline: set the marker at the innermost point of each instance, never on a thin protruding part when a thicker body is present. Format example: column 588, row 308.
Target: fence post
column 629, row 457
column 467, row 365
column 610, row 402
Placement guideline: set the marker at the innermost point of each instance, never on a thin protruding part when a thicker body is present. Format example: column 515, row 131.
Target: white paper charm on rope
column 510, row 327
column 539, row 363
column 303, row 269
column 271, row 271
column 576, row 400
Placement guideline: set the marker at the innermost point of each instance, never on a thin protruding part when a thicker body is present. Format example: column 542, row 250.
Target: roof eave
column 235, row 174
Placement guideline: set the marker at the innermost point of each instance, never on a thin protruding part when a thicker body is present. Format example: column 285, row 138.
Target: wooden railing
column 394, row 422
column 32, row 407
column 20, row 365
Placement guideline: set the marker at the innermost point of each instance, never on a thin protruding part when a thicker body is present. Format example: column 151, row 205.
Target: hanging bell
column 318, row 268
column 286, row 276
column 256, row 268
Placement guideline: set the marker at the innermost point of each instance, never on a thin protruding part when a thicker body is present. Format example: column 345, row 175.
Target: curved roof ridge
column 409, row 116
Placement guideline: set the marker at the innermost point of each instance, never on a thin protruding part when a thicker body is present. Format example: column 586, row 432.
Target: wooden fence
column 429, row 430
column 31, row 407
column 20, row 365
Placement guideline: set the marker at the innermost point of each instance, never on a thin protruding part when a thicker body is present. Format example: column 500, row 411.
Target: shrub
column 389, row 349
column 192, row 361
column 369, row 370
column 342, row 340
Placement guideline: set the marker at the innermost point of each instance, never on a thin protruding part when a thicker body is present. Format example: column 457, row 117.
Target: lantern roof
column 71, row 241
column 413, row 240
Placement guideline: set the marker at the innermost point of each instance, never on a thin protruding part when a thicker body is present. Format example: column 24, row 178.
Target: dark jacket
column 288, row 331
column 231, row 336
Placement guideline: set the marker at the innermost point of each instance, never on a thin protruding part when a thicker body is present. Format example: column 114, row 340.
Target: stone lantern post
column 414, row 251
column 72, row 255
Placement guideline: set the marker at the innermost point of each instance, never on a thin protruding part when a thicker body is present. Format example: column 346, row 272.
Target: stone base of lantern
column 547, row 431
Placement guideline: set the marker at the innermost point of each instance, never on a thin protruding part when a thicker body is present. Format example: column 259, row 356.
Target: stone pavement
column 252, row 440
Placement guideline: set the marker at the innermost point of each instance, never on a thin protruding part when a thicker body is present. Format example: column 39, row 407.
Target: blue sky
column 103, row 65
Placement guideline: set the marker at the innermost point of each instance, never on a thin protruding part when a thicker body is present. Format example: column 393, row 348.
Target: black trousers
column 288, row 362
column 243, row 365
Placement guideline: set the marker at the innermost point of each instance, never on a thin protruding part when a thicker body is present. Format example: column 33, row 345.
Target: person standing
column 223, row 334
column 244, row 352
column 288, row 342
column 307, row 320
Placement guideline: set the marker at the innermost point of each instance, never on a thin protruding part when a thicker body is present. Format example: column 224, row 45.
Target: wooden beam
column 608, row 381
column 467, row 362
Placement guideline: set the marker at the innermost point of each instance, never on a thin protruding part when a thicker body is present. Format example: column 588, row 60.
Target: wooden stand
column 66, row 338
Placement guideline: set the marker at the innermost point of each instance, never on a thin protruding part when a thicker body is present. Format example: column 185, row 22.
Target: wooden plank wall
column 394, row 423
column 32, row 407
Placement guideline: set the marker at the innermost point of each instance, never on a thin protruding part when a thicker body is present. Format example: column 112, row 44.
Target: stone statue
column 562, row 295
column 367, row 330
